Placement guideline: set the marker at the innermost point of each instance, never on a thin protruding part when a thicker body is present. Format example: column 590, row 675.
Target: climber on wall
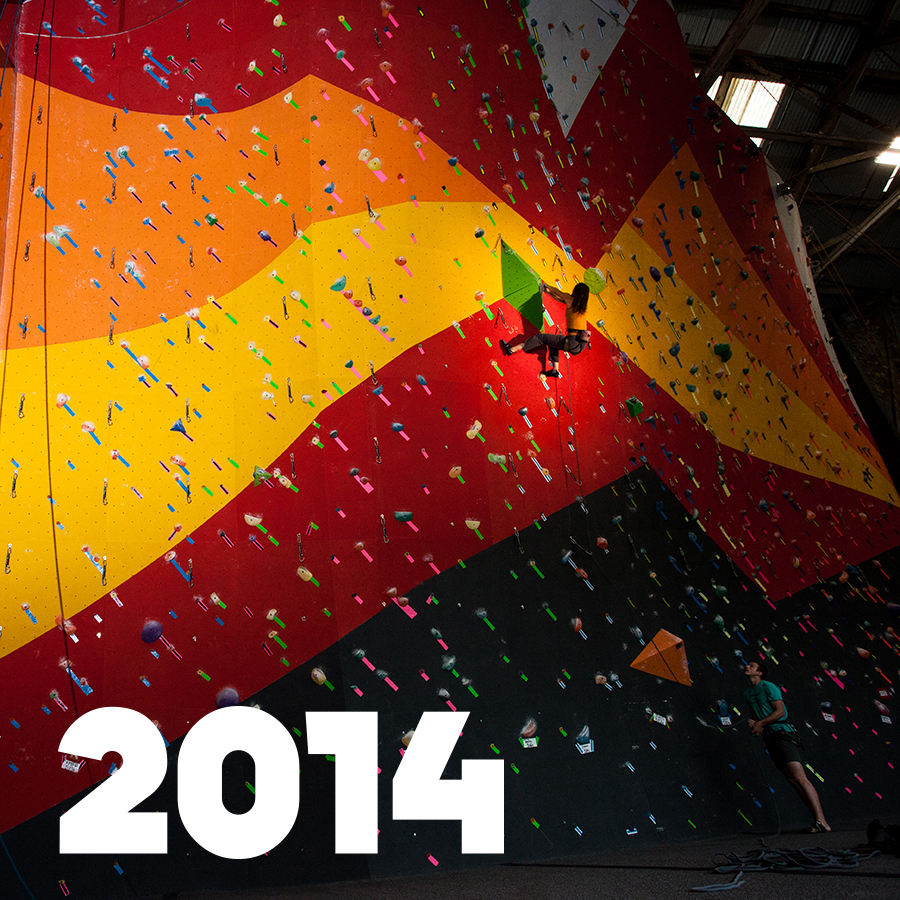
column 576, row 338
column 781, row 740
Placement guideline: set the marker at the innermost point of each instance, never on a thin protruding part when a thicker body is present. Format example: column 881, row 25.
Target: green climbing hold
column 723, row 351
column 595, row 281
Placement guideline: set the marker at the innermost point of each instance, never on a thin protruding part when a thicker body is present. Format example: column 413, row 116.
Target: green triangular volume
column 521, row 285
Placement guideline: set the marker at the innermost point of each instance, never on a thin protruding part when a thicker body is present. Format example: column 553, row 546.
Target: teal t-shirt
column 760, row 698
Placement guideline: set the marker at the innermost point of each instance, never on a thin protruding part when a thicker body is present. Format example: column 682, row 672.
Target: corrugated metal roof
column 885, row 234
column 872, row 273
column 802, row 39
column 883, row 107
column 798, row 112
column 856, row 181
column 885, row 58
column 701, row 26
column 835, row 43
column 825, row 223
column 772, row 35
column 853, row 128
column 785, row 158
column 867, row 267
column 849, row 7
column 779, row 36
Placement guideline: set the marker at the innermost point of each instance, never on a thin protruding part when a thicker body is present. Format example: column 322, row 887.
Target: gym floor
column 648, row 874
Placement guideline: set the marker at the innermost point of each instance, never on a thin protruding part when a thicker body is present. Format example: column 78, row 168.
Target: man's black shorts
column 783, row 747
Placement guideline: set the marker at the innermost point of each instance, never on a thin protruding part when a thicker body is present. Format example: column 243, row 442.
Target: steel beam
column 796, row 84
column 878, row 19
column 785, row 10
column 803, row 137
column 840, row 244
column 731, row 40
column 884, row 81
column 844, row 161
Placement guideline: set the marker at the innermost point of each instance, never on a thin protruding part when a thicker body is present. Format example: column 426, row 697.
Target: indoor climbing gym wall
column 260, row 444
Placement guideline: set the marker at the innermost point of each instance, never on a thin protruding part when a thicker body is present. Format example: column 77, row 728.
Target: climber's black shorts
column 783, row 747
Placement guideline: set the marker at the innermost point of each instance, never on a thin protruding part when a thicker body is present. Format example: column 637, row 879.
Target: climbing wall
column 258, row 259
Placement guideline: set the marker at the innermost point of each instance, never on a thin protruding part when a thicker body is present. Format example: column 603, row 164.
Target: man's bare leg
column 796, row 777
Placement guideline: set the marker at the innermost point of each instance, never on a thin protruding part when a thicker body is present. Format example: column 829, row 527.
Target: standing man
column 781, row 740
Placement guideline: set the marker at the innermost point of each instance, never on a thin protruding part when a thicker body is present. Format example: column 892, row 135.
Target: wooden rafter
column 731, row 40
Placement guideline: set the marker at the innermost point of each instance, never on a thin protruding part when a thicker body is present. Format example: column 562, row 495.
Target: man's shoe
column 505, row 348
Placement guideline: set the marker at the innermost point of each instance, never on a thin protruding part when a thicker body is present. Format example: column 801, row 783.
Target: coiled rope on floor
column 773, row 859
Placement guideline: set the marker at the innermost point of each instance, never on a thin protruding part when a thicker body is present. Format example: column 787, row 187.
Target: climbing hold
column 595, row 281
column 151, row 632
column 227, row 697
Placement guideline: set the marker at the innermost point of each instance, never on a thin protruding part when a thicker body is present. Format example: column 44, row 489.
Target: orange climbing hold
column 664, row 657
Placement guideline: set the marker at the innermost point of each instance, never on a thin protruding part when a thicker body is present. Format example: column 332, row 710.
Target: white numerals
column 476, row 799
column 101, row 822
column 353, row 738
column 277, row 788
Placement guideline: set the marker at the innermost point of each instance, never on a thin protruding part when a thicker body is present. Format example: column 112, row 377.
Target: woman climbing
column 576, row 338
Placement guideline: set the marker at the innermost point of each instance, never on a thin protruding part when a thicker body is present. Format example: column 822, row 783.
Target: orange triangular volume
column 664, row 657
